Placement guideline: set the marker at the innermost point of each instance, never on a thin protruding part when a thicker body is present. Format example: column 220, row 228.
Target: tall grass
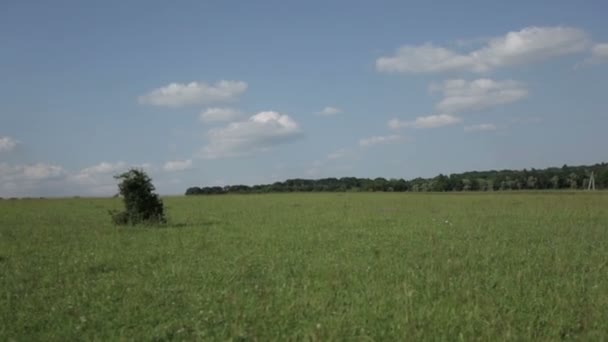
column 382, row 266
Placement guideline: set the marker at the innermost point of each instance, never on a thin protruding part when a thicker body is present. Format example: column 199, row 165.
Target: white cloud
column 599, row 53
column 480, row 127
column 531, row 44
column 96, row 179
column 30, row 179
column 396, row 124
column 376, row 140
column 7, row 144
column 328, row 169
column 426, row 58
column 260, row 132
column 431, row 121
column 104, row 168
column 177, row 165
column 219, row 114
column 44, row 179
column 472, row 42
column 39, row 171
column 461, row 95
column 341, row 155
column 99, row 179
column 336, row 162
column 338, row 154
column 193, row 93
column 330, row 111
column 526, row 121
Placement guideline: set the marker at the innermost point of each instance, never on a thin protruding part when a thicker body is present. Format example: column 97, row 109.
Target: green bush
column 142, row 205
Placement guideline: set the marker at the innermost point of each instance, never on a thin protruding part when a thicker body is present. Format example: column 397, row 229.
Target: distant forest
column 554, row 178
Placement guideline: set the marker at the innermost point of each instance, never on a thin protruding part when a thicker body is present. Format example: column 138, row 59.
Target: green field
column 347, row 266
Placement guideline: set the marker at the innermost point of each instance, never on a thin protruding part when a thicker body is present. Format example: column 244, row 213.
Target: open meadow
column 341, row 266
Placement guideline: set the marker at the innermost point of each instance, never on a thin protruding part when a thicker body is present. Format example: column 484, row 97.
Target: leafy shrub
column 119, row 218
column 142, row 205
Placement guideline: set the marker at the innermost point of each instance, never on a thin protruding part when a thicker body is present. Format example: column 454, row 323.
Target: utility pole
column 591, row 185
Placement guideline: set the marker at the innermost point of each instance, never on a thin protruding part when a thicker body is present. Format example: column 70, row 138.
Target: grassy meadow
column 344, row 266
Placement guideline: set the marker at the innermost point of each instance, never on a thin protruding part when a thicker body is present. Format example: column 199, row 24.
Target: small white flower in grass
column 318, row 325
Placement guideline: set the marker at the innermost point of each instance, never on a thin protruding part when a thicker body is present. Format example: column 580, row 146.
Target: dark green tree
column 571, row 177
column 441, row 183
column 142, row 205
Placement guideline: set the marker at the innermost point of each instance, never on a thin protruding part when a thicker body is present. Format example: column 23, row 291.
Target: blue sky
column 243, row 92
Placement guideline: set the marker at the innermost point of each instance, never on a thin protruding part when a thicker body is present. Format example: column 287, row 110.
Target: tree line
column 554, row 178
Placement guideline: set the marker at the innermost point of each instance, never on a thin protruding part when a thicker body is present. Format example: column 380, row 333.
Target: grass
column 381, row 266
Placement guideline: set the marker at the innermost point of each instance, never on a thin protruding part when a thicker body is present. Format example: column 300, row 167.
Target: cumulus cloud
column 421, row 122
column 480, row 127
column 531, row 44
column 30, row 172
column 45, row 179
column 42, row 171
column 104, row 168
column 7, row 144
column 461, row 95
column 260, row 132
column 339, row 154
column 426, row 58
column 330, row 111
column 177, row 165
column 383, row 139
column 30, row 179
column 219, row 114
column 599, row 53
column 339, row 161
column 99, row 179
column 193, row 93
column 526, row 121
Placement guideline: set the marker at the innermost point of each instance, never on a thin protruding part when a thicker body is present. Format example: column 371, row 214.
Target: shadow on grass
column 100, row 269
column 169, row 225
column 202, row 223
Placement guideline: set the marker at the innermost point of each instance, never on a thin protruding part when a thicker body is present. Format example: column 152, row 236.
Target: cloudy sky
column 244, row 92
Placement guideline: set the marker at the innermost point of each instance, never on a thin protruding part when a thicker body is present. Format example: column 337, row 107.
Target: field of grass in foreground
column 382, row 266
